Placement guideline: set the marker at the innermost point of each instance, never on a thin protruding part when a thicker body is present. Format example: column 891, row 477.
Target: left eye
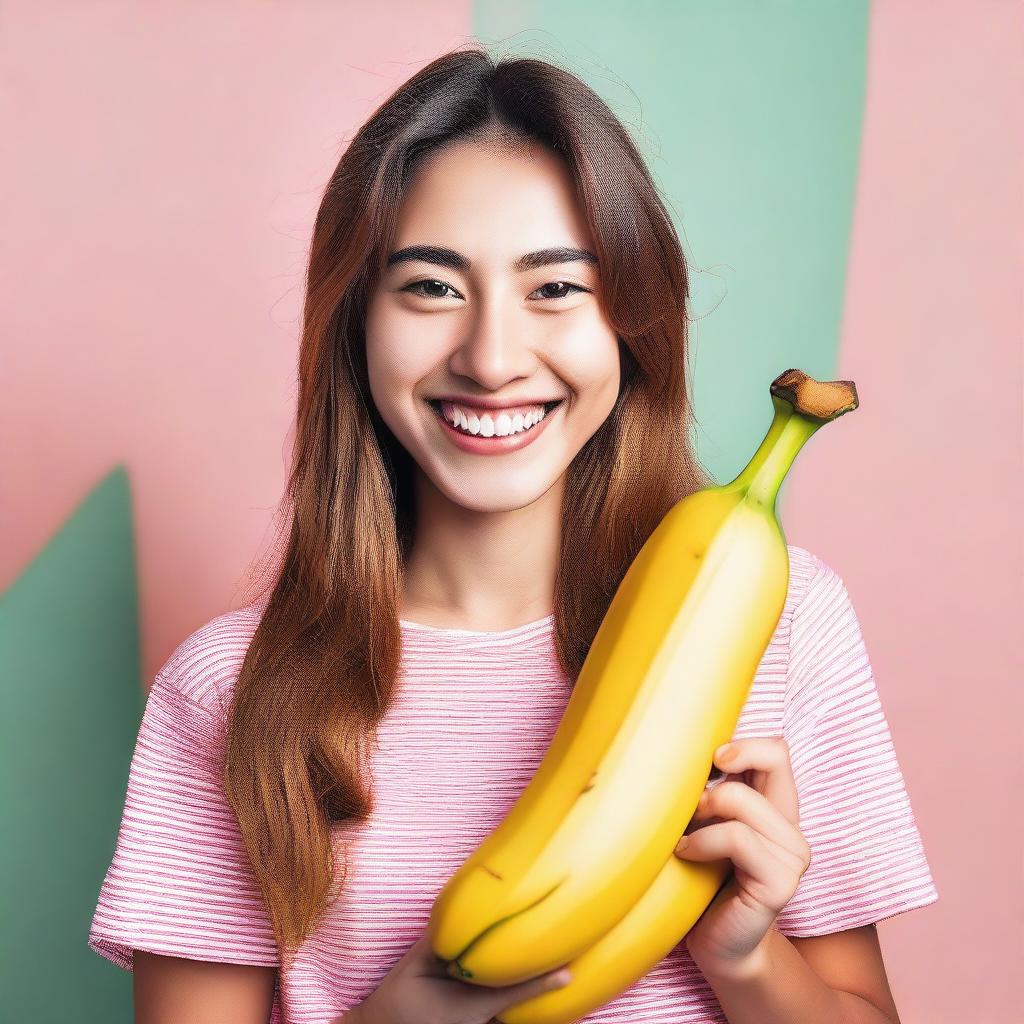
column 417, row 285
column 566, row 284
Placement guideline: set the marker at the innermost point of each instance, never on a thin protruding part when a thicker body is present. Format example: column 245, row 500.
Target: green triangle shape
column 72, row 704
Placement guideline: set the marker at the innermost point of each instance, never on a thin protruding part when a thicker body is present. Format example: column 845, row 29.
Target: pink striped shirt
column 476, row 714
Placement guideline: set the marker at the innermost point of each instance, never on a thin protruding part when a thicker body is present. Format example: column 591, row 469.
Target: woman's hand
column 419, row 990
column 755, row 824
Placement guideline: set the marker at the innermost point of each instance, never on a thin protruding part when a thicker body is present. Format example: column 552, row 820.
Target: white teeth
column 486, row 426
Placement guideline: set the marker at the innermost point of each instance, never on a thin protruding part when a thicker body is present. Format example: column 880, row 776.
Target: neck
column 481, row 569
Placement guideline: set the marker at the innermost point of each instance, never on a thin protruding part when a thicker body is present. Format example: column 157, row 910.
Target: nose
column 497, row 345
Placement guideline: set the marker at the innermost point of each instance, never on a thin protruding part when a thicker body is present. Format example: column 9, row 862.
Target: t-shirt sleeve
column 180, row 882
column 867, row 859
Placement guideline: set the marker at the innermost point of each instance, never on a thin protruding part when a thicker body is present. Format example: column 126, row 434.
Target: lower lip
column 494, row 445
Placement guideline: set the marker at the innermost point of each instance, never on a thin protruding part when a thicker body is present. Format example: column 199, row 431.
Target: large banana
column 582, row 870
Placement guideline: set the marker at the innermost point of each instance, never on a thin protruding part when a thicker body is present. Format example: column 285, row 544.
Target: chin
column 494, row 499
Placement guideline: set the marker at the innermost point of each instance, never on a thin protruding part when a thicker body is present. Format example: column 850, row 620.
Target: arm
column 171, row 989
column 838, row 978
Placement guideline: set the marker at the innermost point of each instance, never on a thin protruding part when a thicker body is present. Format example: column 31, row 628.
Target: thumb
column 534, row 987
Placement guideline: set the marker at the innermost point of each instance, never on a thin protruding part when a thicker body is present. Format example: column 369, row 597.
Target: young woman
column 492, row 418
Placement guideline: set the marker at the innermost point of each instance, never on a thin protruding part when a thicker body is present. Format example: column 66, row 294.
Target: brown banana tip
column 819, row 399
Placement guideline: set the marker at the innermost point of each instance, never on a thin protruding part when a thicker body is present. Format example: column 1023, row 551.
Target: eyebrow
column 442, row 257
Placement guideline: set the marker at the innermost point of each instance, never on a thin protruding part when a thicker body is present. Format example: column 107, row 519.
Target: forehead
column 478, row 196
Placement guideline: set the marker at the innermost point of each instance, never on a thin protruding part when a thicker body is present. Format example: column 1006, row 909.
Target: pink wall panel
column 931, row 472
column 166, row 177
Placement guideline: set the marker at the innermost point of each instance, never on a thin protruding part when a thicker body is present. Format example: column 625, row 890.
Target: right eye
column 416, row 285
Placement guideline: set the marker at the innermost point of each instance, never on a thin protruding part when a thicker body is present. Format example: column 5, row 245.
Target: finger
column 740, row 802
column 496, row 1000
column 769, row 758
column 749, row 854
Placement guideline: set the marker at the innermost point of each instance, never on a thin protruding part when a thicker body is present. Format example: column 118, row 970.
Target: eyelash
column 432, row 280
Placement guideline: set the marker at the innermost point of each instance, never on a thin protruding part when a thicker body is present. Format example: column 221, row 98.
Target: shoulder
column 807, row 572
column 205, row 666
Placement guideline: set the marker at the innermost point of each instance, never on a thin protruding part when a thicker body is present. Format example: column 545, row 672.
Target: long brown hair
column 322, row 667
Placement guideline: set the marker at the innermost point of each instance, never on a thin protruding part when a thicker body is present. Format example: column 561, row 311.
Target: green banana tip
column 456, row 970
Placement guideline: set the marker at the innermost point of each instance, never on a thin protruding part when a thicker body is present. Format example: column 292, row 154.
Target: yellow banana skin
column 676, row 645
column 582, row 869
column 650, row 930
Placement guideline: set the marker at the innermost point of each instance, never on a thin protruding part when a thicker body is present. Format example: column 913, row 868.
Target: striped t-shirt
column 474, row 717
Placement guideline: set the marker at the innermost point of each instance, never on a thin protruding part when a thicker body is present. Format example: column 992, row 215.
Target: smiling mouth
column 435, row 404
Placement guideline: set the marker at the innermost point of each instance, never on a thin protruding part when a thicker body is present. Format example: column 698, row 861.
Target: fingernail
column 563, row 976
column 725, row 752
column 682, row 844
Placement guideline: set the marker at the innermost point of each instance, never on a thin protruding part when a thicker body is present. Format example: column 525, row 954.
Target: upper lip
column 492, row 403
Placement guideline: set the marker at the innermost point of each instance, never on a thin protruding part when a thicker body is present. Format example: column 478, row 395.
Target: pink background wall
column 152, row 261
column 933, row 327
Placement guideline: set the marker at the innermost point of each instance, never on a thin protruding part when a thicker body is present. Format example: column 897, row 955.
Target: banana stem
column 802, row 405
column 765, row 472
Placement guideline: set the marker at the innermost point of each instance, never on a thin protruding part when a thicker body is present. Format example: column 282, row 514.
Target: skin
column 488, row 529
column 757, row 826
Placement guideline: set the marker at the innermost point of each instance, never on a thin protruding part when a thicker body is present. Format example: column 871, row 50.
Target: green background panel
column 72, row 704
column 749, row 117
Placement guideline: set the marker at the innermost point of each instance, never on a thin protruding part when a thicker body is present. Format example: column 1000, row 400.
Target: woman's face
column 469, row 323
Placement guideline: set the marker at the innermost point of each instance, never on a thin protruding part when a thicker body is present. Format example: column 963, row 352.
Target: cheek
column 588, row 359
column 385, row 370
column 397, row 356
